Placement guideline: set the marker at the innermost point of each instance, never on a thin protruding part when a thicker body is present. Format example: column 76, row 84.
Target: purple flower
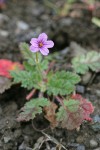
column 41, row 44
column 2, row 1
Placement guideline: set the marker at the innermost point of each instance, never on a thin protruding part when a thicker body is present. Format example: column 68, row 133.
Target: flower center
column 40, row 44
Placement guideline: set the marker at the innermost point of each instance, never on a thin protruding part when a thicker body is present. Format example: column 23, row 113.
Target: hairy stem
column 38, row 66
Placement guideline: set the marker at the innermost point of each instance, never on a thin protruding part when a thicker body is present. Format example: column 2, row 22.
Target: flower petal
column 34, row 42
column 44, row 51
column 42, row 37
column 49, row 44
column 34, row 49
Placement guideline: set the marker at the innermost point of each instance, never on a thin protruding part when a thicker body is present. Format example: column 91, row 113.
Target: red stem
column 30, row 94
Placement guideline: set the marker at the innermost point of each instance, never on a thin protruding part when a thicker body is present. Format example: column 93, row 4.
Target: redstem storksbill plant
column 55, row 90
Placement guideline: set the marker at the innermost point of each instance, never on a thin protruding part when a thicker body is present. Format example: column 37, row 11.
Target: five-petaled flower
column 41, row 44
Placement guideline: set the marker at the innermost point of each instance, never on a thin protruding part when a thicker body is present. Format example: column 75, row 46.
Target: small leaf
column 62, row 82
column 83, row 63
column 32, row 108
column 5, row 84
column 28, row 79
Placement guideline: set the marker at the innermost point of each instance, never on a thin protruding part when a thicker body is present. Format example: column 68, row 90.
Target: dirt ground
column 21, row 20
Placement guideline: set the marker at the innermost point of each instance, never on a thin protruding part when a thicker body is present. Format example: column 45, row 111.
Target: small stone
column 7, row 139
column 80, row 89
column 97, row 148
column 17, row 133
column 1, row 144
column 66, row 22
column 97, row 91
column 96, row 127
column 53, row 148
column 22, row 25
column 10, row 108
column 80, row 139
column 22, row 146
column 3, row 18
column 73, row 144
column 28, row 148
column 81, row 147
column 26, row 139
column 86, row 78
column 96, row 118
column 0, row 110
column 4, row 33
column 28, row 130
column 37, row 12
column 93, row 143
column 98, row 137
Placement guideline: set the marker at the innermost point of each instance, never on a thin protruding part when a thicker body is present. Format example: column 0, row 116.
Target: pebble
column 93, row 143
column 96, row 127
column 73, row 144
column 97, row 148
column 0, row 110
column 4, row 33
column 10, row 108
column 37, row 12
column 96, row 118
column 80, row 139
column 97, row 91
column 66, row 22
column 22, row 146
column 3, row 18
column 17, row 133
column 21, row 25
column 53, row 148
column 81, row 147
column 80, row 89
column 7, row 139
column 28, row 130
column 98, row 137
column 86, row 78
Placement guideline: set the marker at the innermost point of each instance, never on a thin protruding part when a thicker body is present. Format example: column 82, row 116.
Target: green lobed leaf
column 28, row 79
column 32, row 108
column 83, row 63
column 62, row 83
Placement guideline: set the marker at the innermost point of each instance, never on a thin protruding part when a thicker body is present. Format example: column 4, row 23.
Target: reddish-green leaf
column 85, row 106
column 74, row 112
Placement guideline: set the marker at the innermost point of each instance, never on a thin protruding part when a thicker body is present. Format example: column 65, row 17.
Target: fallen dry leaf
column 7, row 65
column 50, row 114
